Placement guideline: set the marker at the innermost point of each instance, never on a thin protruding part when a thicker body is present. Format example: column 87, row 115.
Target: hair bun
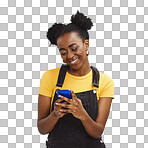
column 81, row 20
column 54, row 31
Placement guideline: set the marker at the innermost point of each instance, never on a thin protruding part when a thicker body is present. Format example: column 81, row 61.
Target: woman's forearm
column 92, row 128
column 47, row 124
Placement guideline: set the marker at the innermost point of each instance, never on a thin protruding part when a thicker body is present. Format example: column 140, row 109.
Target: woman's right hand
column 58, row 107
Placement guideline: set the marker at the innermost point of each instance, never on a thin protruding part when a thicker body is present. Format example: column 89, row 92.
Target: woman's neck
column 80, row 72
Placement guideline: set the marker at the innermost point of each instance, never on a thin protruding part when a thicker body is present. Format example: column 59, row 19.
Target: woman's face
column 73, row 50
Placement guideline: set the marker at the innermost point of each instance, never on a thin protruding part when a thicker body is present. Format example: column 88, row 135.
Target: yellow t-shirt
column 77, row 84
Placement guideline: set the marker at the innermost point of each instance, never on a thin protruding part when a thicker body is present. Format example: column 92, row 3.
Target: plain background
column 118, row 47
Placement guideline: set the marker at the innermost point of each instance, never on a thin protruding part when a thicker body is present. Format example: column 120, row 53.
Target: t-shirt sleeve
column 46, row 84
column 107, row 87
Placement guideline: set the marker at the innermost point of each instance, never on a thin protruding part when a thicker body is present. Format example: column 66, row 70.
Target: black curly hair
column 79, row 24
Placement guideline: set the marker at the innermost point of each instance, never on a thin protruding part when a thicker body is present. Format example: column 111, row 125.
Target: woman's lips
column 74, row 61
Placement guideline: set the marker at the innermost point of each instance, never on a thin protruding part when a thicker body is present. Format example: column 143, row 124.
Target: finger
column 74, row 110
column 59, row 100
column 71, row 106
column 64, row 104
column 64, row 98
column 63, row 110
column 73, row 94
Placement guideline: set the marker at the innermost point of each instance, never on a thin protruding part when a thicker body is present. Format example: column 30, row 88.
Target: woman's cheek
column 64, row 59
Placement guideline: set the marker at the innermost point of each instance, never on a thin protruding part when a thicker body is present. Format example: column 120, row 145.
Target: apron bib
column 69, row 131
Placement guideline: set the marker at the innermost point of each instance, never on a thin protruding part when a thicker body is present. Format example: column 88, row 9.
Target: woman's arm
column 46, row 121
column 95, row 129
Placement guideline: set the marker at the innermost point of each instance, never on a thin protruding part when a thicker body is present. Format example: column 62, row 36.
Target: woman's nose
column 70, row 55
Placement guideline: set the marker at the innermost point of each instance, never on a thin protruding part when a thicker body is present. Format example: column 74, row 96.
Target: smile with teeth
column 72, row 62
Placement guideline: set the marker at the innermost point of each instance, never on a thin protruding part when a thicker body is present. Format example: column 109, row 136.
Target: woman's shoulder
column 51, row 73
column 105, row 77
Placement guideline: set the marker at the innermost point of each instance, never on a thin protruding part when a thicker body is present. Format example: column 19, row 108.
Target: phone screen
column 66, row 93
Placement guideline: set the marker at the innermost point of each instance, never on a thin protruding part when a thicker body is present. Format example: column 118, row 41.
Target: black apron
column 69, row 131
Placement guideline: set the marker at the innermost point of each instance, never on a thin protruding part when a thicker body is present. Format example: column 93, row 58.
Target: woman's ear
column 86, row 44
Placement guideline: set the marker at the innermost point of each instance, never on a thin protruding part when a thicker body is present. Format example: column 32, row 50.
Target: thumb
column 73, row 94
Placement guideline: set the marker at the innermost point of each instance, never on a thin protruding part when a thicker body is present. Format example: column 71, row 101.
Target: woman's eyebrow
column 68, row 46
column 72, row 44
column 61, row 49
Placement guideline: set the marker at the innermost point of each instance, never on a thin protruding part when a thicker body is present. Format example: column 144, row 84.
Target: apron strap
column 61, row 76
column 96, row 76
column 63, row 70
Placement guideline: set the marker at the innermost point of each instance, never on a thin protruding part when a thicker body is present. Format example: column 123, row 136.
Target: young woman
column 78, row 122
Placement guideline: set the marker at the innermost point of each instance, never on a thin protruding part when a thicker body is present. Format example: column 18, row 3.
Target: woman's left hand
column 75, row 107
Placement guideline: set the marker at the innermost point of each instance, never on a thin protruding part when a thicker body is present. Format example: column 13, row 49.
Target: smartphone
column 66, row 93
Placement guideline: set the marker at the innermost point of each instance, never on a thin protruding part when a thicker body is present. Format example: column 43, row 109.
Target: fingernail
column 60, row 96
column 57, row 103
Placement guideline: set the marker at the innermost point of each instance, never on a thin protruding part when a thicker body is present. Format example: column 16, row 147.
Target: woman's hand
column 58, row 112
column 74, row 107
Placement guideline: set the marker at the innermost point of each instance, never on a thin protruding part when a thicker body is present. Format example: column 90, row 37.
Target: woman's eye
column 74, row 49
column 63, row 53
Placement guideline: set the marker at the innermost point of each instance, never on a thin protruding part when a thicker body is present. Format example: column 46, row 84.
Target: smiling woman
column 73, row 52
column 78, row 122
